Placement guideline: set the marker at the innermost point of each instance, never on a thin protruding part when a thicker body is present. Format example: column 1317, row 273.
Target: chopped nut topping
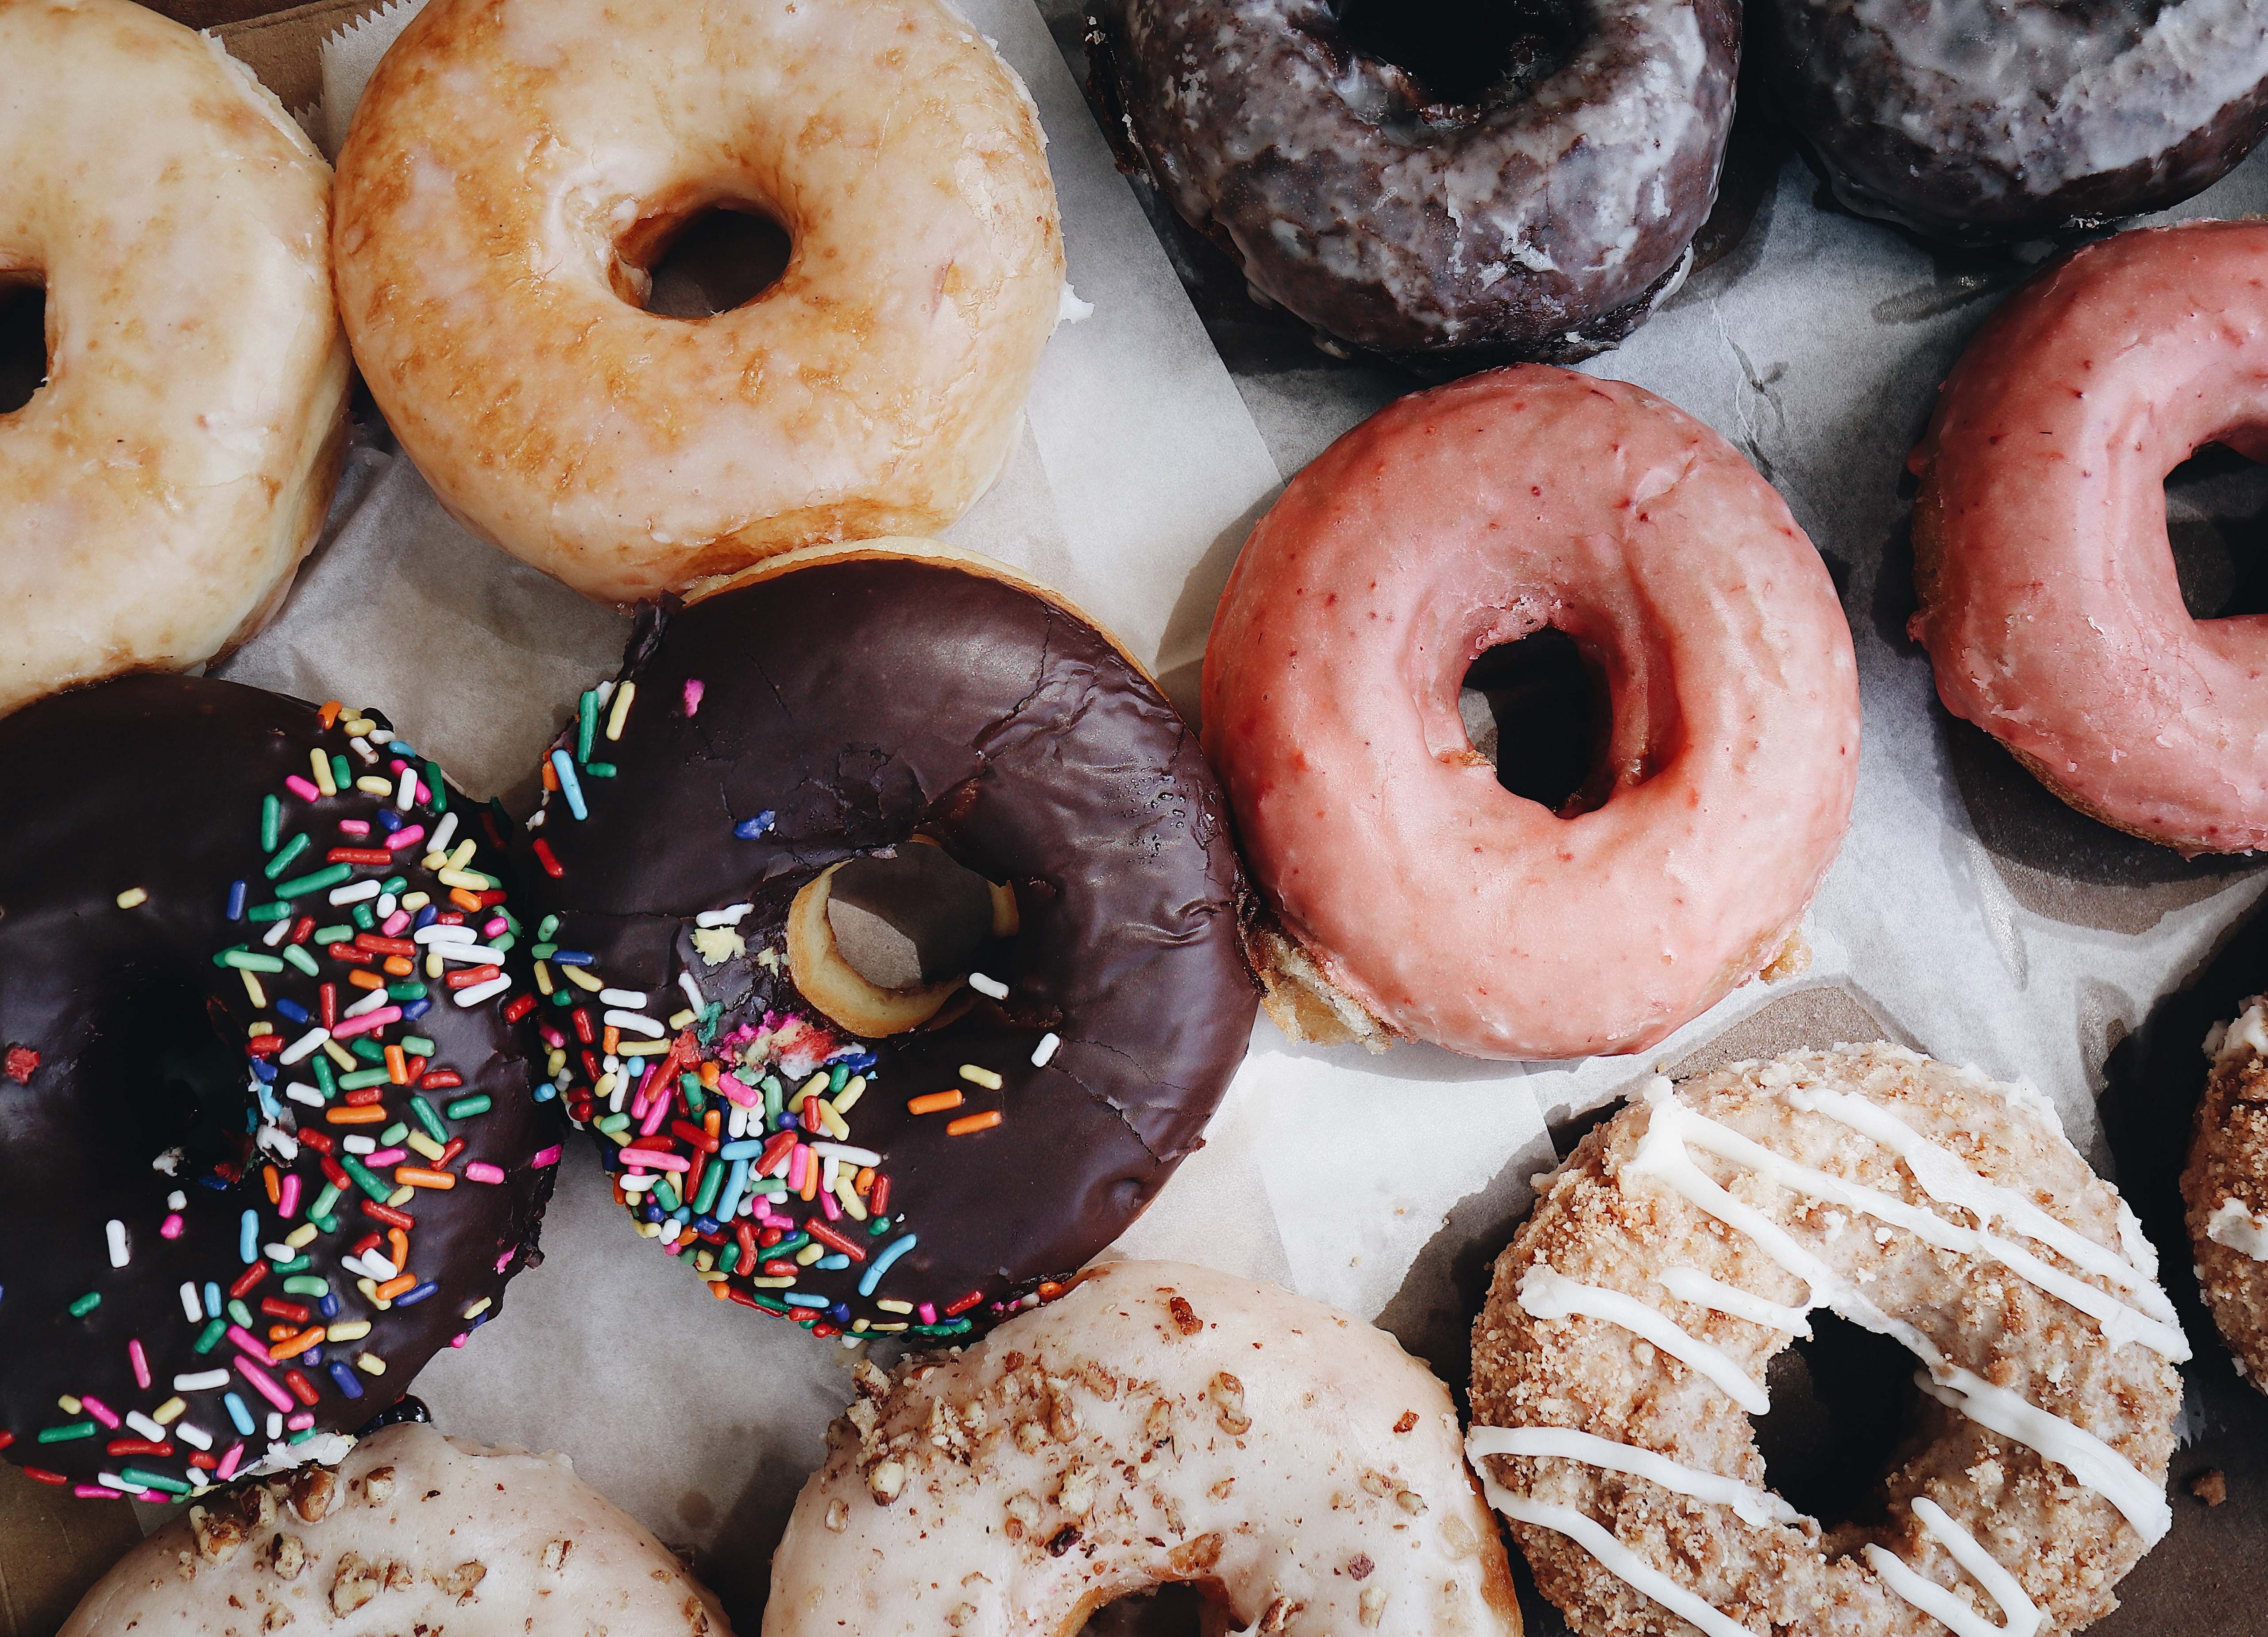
column 1360, row 1566
column 460, row 1581
column 287, row 1555
column 377, row 1486
column 218, row 1535
column 1371, row 1605
column 1408, row 1422
column 838, row 1516
column 355, row 1584
column 313, row 1489
column 1227, row 1393
column 555, row 1555
column 1185, row 1316
column 886, row 1480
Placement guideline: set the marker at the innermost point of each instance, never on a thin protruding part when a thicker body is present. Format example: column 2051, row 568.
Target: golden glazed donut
column 515, row 167
column 1158, row 1423
column 158, row 493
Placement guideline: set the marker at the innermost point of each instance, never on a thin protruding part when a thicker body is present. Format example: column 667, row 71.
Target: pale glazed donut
column 158, row 493
column 1422, row 898
column 1158, row 1423
column 411, row 1532
column 2048, row 601
column 2225, row 1188
column 517, row 164
column 1624, row 1346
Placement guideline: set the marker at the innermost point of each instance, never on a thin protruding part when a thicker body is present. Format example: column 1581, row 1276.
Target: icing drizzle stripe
column 2020, row 1616
column 1546, row 1293
column 1751, row 1505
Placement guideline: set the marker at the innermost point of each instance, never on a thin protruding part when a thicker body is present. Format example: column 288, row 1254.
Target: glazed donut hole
column 1538, row 708
column 1844, row 1405
column 1459, row 55
column 695, row 262
column 2216, row 517
column 23, row 336
column 887, row 942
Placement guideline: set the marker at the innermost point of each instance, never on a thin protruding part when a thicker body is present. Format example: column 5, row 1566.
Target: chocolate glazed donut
column 917, row 1158
column 192, row 1158
column 1545, row 220
column 1978, row 122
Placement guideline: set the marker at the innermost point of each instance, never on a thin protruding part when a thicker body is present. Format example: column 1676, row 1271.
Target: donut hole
column 1539, row 711
column 176, row 1078
column 882, row 943
column 1176, row 1609
column 2216, row 518
column 1463, row 53
column 696, row 263
column 1843, row 1402
column 23, row 338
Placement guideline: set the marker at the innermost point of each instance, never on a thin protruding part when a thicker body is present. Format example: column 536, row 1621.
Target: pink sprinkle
column 408, row 836
column 302, row 1421
column 656, row 1111
column 354, row 826
column 481, row 1171
column 928, row 1314
column 171, row 1228
column 546, row 1156
column 826, row 1204
column 301, row 788
column 287, row 1199
column 675, row 1245
column 552, row 1037
column 421, row 794
column 393, row 925
column 655, row 1160
column 461, row 1337
column 95, row 1491
column 347, row 1027
column 693, row 688
column 383, row 1157
column 737, row 1092
column 139, row 1360
column 100, row 1411
column 504, row 1261
column 798, row 1161
column 496, row 927
column 250, row 1343
column 227, row 1468
column 264, row 1384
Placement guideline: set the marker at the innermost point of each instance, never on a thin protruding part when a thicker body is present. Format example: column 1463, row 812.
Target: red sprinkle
column 41, row 1474
column 388, row 1215
column 584, row 1031
column 547, row 858
column 878, row 1203
column 277, row 1309
column 136, row 1445
column 18, row 1063
column 964, row 1304
column 358, row 855
column 440, row 1080
column 835, row 1241
column 519, row 1007
column 302, row 1389
column 694, row 1134
column 334, row 1173
column 317, row 1141
column 466, row 976
column 303, row 929
column 327, row 998
column 450, row 1150
column 383, row 945
column 248, row 1279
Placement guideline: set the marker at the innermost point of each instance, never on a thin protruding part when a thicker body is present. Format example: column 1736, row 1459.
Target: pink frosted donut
column 1418, row 895
column 2049, row 603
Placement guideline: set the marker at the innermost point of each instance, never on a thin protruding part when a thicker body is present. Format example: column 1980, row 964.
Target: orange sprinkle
column 397, row 1066
column 398, row 1242
column 968, row 1123
column 935, row 1102
column 863, row 1181
column 369, row 1114
column 468, row 902
column 710, row 1073
column 550, row 775
column 610, row 1041
column 420, row 1177
column 329, row 713
column 361, row 979
column 399, row 966
column 278, row 1332
column 721, row 1289
column 395, row 1285
column 292, row 1347
column 810, row 1169
column 274, row 1187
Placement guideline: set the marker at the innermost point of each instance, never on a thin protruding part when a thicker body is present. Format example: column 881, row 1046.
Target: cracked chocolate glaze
column 1544, row 222
column 1985, row 121
column 156, row 783
column 864, row 697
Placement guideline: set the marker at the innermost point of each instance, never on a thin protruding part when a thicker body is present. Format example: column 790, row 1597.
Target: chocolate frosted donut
column 256, row 1168
column 1977, row 120
column 820, row 1141
column 1544, row 220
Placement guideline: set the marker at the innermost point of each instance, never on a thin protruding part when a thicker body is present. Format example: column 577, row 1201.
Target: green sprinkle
column 597, row 770
column 86, row 1304
column 324, row 1201
column 335, row 934
column 240, row 1313
column 301, row 959
column 712, row 1178
column 464, row 1108
column 789, row 1246
column 613, row 1122
column 326, row 1081
column 342, row 775
column 363, row 1179
column 361, row 1077
column 286, row 856
column 297, row 1265
column 365, row 917
column 271, row 823
column 586, row 723
column 731, row 1259
column 395, row 884
column 368, row 1049
column 880, row 1226
column 409, row 989
column 543, row 952
column 306, row 1285
column 836, row 1078
column 418, row 1045
column 770, row 1304
column 426, row 1117
column 666, row 1191
column 268, row 913
column 394, row 1134
column 146, row 1479
column 300, row 886
column 68, row 1431
column 503, row 942
column 209, row 1337
column 563, row 996
column 246, row 961
column 302, row 1436
column 324, row 1220
column 548, row 926
column 436, row 793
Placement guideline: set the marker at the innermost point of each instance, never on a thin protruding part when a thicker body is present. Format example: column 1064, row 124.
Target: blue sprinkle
column 345, row 1378
column 652, row 1214
column 312, row 1355
column 411, row 1298
column 388, row 819
column 744, row 1148
column 840, row 1313
column 833, row 1263
column 399, row 748
column 212, row 1300
column 412, row 1010
column 881, row 1266
column 569, row 787
column 480, row 1318
column 798, row 1299
column 212, row 1182
column 264, row 1071
column 749, row 830
column 247, row 1238
column 682, row 1214
column 571, row 957
column 705, row 1224
column 236, row 900
column 237, row 1413
column 328, row 1307
column 292, row 1011
column 268, row 1108
column 426, row 917
column 545, row 1091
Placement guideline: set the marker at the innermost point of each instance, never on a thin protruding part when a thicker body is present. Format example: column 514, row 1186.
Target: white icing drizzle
column 2238, row 1228
column 2020, row 1616
column 1546, row 1293
column 2080, row 1452
column 1690, row 1283
column 1751, row 1505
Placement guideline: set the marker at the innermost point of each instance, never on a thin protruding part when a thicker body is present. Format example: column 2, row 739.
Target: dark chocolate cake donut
column 267, row 1138
column 1984, row 120
column 842, row 727
column 1543, row 218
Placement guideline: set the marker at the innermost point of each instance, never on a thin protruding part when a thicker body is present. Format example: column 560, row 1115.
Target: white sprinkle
column 638, row 1184
column 298, row 1049
column 440, row 933
column 631, row 998
column 151, row 1430
column 203, row 1381
column 648, row 1029
column 479, row 992
column 354, row 892
column 692, row 992
column 729, row 915
column 443, row 833
column 192, row 1303
column 278, row 1251
column 466, row 954
column 307, row 1094
column 111, row 1480
column 1045, row 1049
column 359, row 1144
column 370, row 1002
column 115, row 1231
column 363, row 747
column 169, row 1162
column 276, row 1426
column 845, row 1152
column 177, row 1200
column 276, row 933
column 193, row 1436
column 991, row 986
column 406, row 792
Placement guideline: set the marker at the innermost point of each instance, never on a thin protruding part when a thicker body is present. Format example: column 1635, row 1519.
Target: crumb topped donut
column 160, row 489
column 1158, row 1423
column 517, row 166
column 1623, row 1346
column 412, row 1531
column 2225, row 1188
column 1545, row 220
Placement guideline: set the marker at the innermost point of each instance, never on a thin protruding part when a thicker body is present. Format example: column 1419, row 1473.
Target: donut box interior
column 1970, row 914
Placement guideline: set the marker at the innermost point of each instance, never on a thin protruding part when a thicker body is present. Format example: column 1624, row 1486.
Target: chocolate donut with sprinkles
column 850, row 753
column 268, row 1138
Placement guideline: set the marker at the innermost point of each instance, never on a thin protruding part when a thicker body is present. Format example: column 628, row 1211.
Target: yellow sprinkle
column 649, row 1230
column 348, row 1330
column 463, row 855
column 976, row 1076
column 640, row 1048
column 849, row 1196
column 544, row 976
column 68, row 1405
column 703, row 1261
column 166, row 1413
column 255, row 1030
column 426, row 1146
column 707, row 1274
column 853, row 1088
column 132, row 897
column 837, row 1126
column 432, row 965
column 341, row 1056
column 433, row 861
column 617, row 717
column 810, row 1254
column 322, row 764
column 458, row 878
column 812, row 1087
column 860, row 1323
column 369, row 1288
column 778, row 1283
column 369, row 1363
column 304, row 1234
column 891, row 1329
column 604, row 1089
column 415, row 900
column 622, row 1140
column 680, row 1018
column 371, row 785
column 357, row 726
column 478, row 1308
column 252, row 986
column 582, row 979
column 891, row 1304
column 402, row 1196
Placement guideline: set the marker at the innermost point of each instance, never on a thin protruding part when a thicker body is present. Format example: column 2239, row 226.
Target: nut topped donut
column 1546, row 217
column 889, row 929
column 268, row 1139
column 2225, row 1188
column 159, row 488
column 1158, row 1423
column 1417, row 896
column 516, row 168
column 1625, row 1343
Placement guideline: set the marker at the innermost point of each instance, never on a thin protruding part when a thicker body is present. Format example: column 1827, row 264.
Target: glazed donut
column 1625, row 1342
column 1417, row 896
column 158, row 491
column 906, row 1158
column 1977, row 120
column 2225, row 1188
column 410, row 1531
column 515, row 167
column 1158, row 1423
column 1545, row 221
column 257, row 1171
column 2048, row 601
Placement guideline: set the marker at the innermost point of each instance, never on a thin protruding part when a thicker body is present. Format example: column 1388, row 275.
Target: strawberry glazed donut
column 1417, row 896
column 2048, row 601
